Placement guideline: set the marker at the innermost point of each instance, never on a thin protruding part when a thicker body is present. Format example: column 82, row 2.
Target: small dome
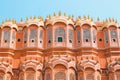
column 10, row 24
column 81, row 22
column 108, row 24
column 55, row 19
column 37, row 22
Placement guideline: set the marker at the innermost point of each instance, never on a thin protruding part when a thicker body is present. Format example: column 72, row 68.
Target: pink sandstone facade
column 60, row 48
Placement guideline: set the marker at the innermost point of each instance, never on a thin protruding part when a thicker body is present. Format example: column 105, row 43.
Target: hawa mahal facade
column 60, row 48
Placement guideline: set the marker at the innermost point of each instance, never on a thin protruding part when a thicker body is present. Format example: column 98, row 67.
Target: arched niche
column 90, row 73
column 30, row 74
column 2, row 73
column 60, row 72
column 72, row 74
column 48, row 74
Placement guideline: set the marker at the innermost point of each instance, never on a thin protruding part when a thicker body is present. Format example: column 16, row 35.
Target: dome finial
column 59, row 14
column 98, row 19
column 69, row 17
column 2, row 21
column 30, row 17
column 88, row 16
column 38, row 17
column 34, row 17
column 21, row 20
column 110, row 19
column 13, row 21
column 106, row 20
column 79, row 17
column 116, row 21
column 91, row 19
column 64, row 14
column 54, row 14
column 26, row 18
column 72, row 16
column 113, row 20
column 84, row 17
column 49, row 16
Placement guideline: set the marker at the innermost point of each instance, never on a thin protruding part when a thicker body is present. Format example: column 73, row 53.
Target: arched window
column 98, row 77
column 0, row 35
column 33, row 35
column 59, row 35
column 90, row 76
column 78, row 36
column 60, row 76
column 118, row 76
column 106, row 36
column 94, row 36
column 30, row 76
column 119, row 34
column 38, row 77
column 1, row 77
column 86, row 35
column 72, row 76
column 81, row 77
column 6, row 37
column 21, row 77
column 25, row 36
column 41, row 36
column 48, row 76
column 49, row 35
column 113, row 35
column 111, row 77
column 13, row 36
column 8, row 77
column 70, row 34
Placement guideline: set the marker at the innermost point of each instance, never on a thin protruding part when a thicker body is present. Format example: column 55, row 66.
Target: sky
column 17, row 9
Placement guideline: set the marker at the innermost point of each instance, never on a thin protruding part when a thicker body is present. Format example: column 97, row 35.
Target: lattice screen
column 6, row 35
column 30, row 76
column 81, row 77
column 1, row 77
column 59, row 32
column 49, row 35
column 113, row 34
column 13, row 35
column 41, row 34
column 48, row 77
column 86, row 35
column 106, row 35
column 94, row 35
column 72, row 76
column 25, row 35
column 90, row 76
column 33, row 35
column 78, row 35
column 60, row 76
column 70, row 34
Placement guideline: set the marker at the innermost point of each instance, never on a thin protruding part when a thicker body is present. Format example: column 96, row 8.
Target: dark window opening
column 78, row 41
column 49, row 41
column 24, row 41
column 70, row 41
column 86, row 40
column 5, row 41
column 12, row 41
column 40, row 41
column 106, row 41
column 32, row 41
column 18, row 40
column 114, row 40
column 100, row 39
column 59, row 39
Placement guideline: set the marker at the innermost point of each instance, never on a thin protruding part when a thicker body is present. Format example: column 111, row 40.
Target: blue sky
column 18, row 9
